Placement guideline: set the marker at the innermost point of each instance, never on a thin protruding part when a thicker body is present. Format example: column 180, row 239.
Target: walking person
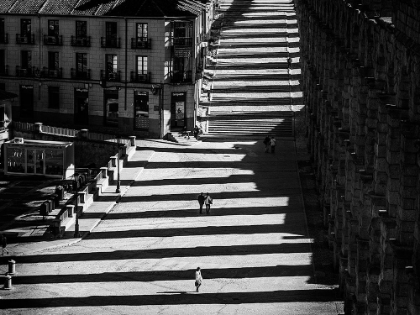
column 4, row 244
column 208, row 201
column 201, row 199
column 198, row 279
column 273, row 144
column 267, row 143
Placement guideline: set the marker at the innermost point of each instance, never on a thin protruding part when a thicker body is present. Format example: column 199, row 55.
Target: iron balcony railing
column 4, row 39
column 139, row 77
column 181, row 76
column 107, row 42
column 25, row 39
column 141, row 43
column 111, row 76
column 183, row 41
column 53, row 40
column 80, row 41
column 80, row 74
column 52, row 73
column 26, row 72
column 4, row 70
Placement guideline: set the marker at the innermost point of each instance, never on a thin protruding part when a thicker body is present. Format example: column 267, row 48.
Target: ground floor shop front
column 145, row 111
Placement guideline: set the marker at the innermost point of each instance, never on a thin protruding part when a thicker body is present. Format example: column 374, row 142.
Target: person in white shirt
column 273, row 144
column 208, row 201
column 198, row 278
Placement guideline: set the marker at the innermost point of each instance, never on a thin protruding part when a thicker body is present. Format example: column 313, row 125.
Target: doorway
column 26, row 101
column 81, row 106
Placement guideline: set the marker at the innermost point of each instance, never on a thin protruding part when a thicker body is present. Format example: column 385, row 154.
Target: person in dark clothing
column 201, row 199
column 267, row 143
column 4, row 244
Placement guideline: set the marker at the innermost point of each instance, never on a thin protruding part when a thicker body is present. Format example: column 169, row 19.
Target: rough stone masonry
column 361, row 77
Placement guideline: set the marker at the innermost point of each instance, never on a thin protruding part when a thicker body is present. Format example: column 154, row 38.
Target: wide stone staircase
column 251, row 86
column 250, row 125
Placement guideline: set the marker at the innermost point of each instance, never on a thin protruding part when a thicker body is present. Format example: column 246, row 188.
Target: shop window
column 54, row 162
column 111, row 108
column 16, row 160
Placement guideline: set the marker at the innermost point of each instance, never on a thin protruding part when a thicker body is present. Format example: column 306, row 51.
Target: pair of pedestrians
column 270, row 143
column 207, row 200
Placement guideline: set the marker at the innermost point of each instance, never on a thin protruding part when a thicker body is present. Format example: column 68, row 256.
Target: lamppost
column 76, row 226
column 118, row 190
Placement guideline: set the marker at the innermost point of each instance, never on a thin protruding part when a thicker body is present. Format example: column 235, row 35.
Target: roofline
column 101, row 16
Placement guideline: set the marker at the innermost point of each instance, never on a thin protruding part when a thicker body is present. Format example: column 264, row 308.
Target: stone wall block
column 380, row 150
column 394, row 171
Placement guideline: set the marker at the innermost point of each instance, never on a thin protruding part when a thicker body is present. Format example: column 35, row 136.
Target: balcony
column 53, row 40
column 52, row 73
column 25, row 72
column 4, row 70
column 181, row 77
column 139, row 78
column 183, row 41
column 114, row 76
column 141, row 43
column 25, row 39
column 80, row 75
column 202, row 38
column 107, row 42
column 4, row 39
column 80, row 41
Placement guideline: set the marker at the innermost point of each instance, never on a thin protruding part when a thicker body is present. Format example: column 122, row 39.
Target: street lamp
column 76, row 226
column 118, row 190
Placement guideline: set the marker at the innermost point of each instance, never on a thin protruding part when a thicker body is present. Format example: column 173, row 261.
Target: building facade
column 121, row 66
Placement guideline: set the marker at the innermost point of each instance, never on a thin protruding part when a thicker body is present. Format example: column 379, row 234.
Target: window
column 81, row 29
column 111, row 30
column 53, row 28
column 25, row 28
column 54, row 97
column 183, row 33
column 2, row 62
column 81, row 63
column 141, row 32
column 141, row 65
column 26, row 59
column 2, row 32
column 111, row 63
column 53, row 63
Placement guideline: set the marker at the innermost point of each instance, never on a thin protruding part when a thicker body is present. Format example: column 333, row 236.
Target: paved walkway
column 253, row 247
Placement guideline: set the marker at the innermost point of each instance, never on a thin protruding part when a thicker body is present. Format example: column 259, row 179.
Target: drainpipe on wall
column 161, row 111
column 126, row 65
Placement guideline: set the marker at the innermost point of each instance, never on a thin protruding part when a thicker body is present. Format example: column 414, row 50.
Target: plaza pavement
column 253, row 248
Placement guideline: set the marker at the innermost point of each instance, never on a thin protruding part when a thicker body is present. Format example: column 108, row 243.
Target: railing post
column 83, row 133
column 104, row 172
column 132, row 141
column 38, row 127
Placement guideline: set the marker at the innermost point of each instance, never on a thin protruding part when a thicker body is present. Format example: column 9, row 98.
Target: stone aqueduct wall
column 361, row 79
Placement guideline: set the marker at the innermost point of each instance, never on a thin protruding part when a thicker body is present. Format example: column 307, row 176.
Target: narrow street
column 253, row 247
